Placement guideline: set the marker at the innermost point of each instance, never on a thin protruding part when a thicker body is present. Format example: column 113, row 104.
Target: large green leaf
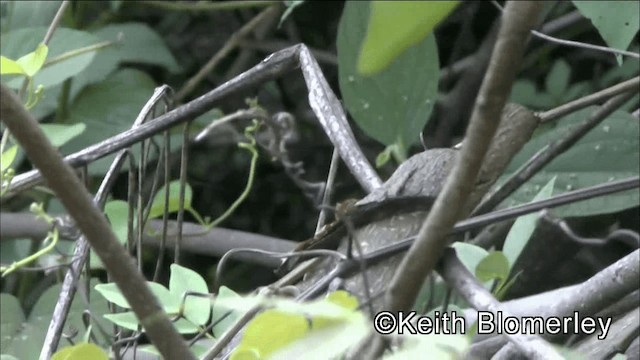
column 60, row 134
column 11, row 319
column 609, row 152
column 27, row 342
column 393, row 105
column 21, row 42
column 394, row 26
column 107, row 109
column 139, row 44
column 616, row 21
column 28, row 14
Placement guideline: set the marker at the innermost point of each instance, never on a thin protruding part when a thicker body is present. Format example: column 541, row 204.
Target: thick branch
column 518, row 19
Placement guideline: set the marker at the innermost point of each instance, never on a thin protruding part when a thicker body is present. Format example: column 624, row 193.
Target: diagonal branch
column 61, row 178
column 334, row 121
column 518, row 19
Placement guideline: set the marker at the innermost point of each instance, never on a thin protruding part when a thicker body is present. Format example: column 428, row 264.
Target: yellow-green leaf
column 7, row 157
column 32, row 62
column 81, row 352
column 344, row 299
column 268, row 332
column 395, row 26
column 274, row 329
column 8, row 66
column 157, row 206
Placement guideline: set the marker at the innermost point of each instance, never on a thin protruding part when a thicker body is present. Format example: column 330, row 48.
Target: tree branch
column 93, row 224
column 518, row 19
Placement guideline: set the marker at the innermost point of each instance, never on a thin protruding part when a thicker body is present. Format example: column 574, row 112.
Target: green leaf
column 8, row 66
column 127, row 320
column 29, row 14
column 112, row 293
column 395, row 26
column 81, row 352
column 7, row 157
column 23, row 41
column 8, row 357
column 343, row 299
column 34, row 330
column 524, row 92
column 493, row 266
column 394, row 105
column 224, row 318
column 107, row 109
column 182, row 280
column 609, row 152
column 384, row 156
column 60, row 134
column 139, row 44
column 33, row 61
column 117, row 212
column 523, row 227
column 157, row 206
column 269, row 331
column 557, row 79
column 11, row 318
column 470, row 255
column 292, row 329
column 328, row 342
column 617, row 22
column 14, row 249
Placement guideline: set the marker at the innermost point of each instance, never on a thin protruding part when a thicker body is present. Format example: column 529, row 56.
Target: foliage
column 391, row 106
column 412, row 22
column 20, row 332
column 616, row 24
column 608, row 152
column 177, row 300
column 90, row 81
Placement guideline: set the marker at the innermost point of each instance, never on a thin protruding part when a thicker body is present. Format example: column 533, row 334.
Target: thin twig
column 55, row 22
column 576, row 43
column 61, row 178
column 81, row 251
column 228, row 47
column 328, row 190
column 585, row 45
column 270, row 46
column 588, row 100
column 550, row 152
